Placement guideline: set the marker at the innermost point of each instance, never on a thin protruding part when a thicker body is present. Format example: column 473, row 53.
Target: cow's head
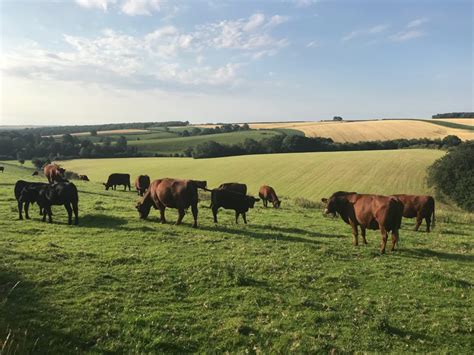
column 276, row 203
column 143, row 209
column 251, row 201
column 107, row 186
column 201, row 184
column 61, row 171
column 336, row 203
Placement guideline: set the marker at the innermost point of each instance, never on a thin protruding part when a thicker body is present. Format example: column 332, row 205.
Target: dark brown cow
column 419, row 206
column 2, row 169
column 142, row 183
column 368, row 211
column 117, row 179
column 84, row 178
column 235, row 187
column 24, row 200
column 54, row 173
column 172, row 193
column 267, row 193
column 231, row 200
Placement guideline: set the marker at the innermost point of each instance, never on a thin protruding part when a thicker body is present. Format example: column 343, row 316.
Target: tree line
column 454, row 115
column 294, row 143
column 224, row 128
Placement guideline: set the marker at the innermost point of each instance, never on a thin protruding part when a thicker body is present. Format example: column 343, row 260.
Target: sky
column 102, row 61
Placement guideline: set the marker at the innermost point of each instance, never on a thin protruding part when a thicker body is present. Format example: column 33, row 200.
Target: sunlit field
column 288, row 281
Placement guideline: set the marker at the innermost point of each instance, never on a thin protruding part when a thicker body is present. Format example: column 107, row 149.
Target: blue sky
column 96, row 61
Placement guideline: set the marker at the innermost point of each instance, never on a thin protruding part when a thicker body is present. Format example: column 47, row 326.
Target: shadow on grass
column 428, row 253
column 247, row 232
column 101, row 221
column 106, row 193
column 312, row 234
column 28, row 323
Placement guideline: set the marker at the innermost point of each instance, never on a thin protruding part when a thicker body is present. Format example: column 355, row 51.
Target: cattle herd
column 366, row 211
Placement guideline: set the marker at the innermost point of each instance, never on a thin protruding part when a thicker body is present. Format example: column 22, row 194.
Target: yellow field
column 370, row 130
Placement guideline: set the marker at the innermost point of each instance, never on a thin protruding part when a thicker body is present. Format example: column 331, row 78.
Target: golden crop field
column 370, row 130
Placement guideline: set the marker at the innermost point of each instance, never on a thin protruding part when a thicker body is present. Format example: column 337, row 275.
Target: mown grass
column 308, row 175
column 288, row 281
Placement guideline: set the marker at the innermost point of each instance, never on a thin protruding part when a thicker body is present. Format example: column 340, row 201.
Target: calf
column 368, row 211
column 83, row 178
column 30, row 195
column 267, row 193
column 63, row 193
column 419, row 206
column 118, row 179
column 142, row 183
column 232, row 201
column 235, row 187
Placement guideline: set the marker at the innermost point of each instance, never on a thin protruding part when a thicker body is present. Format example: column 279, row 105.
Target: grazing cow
column 61, row 193
column 118, row 179
column 235, row 187
column 142, row 183
column 267, row 193
column 419, row 206
column 232, row 201
column 35, row 173
column 84, row 178
column 2, row 169
column 367, row 211
column 54, row 173
column 172, row 193
column 24, row 200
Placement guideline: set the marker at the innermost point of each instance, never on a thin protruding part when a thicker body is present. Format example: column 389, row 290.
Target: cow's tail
column 205, row 189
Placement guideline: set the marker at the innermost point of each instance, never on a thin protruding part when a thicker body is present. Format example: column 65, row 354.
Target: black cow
column 232, row 201
column 2, row 169
column 118, row 179
column 27, row 198
column 62, row 193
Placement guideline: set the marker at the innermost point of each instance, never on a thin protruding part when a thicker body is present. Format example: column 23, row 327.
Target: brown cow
column 173, row 193
column 419, row 206
column 54, row 173
column 234, row 187
column 84, row 178
column 267, row 193
column 367, row 211
column 142, row 183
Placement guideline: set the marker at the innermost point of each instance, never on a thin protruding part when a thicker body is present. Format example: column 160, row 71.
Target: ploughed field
column 290, row 280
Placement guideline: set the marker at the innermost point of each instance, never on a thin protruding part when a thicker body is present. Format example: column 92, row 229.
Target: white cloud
column 365, row 32
column 140, row 7
column 312, row 44
column 95, row 4
column 304, row 3
column 254, row 22
column 406, row 35
column 417, row 22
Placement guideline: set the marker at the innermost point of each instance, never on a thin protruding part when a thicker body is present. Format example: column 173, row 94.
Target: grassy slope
column 288, row 281
column 173, row 145
column 310, row 175
column 372, row 130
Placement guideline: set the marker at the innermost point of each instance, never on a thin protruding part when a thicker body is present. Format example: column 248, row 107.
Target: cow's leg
column 419, row 219
column 76, row 213
column 244, row 216
column 394, row 238
column 384, row 239
column 162, row 214
column 45, row 210
column 214, row 213
column 362, row 232
column 20, row 210
column 180, row 215
column 265, row 202
column 194, row 210
column 355, row 234
column 428, row 223
column 50, row 213
column 237, row 217
column 68, row 208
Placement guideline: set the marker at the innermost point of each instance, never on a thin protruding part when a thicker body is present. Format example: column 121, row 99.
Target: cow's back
column 372, row 211
column 416, row 204
column 235, row 187
column 118, row 178
column 175, row 193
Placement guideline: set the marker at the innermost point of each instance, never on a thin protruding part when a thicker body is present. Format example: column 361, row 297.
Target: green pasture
column 308, row 175
column 289, row 281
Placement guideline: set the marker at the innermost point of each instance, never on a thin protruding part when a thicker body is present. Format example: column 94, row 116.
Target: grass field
column 309, row 175
column 370, row 130
column 289, row 281
column 463, row 121
column 179, row 144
